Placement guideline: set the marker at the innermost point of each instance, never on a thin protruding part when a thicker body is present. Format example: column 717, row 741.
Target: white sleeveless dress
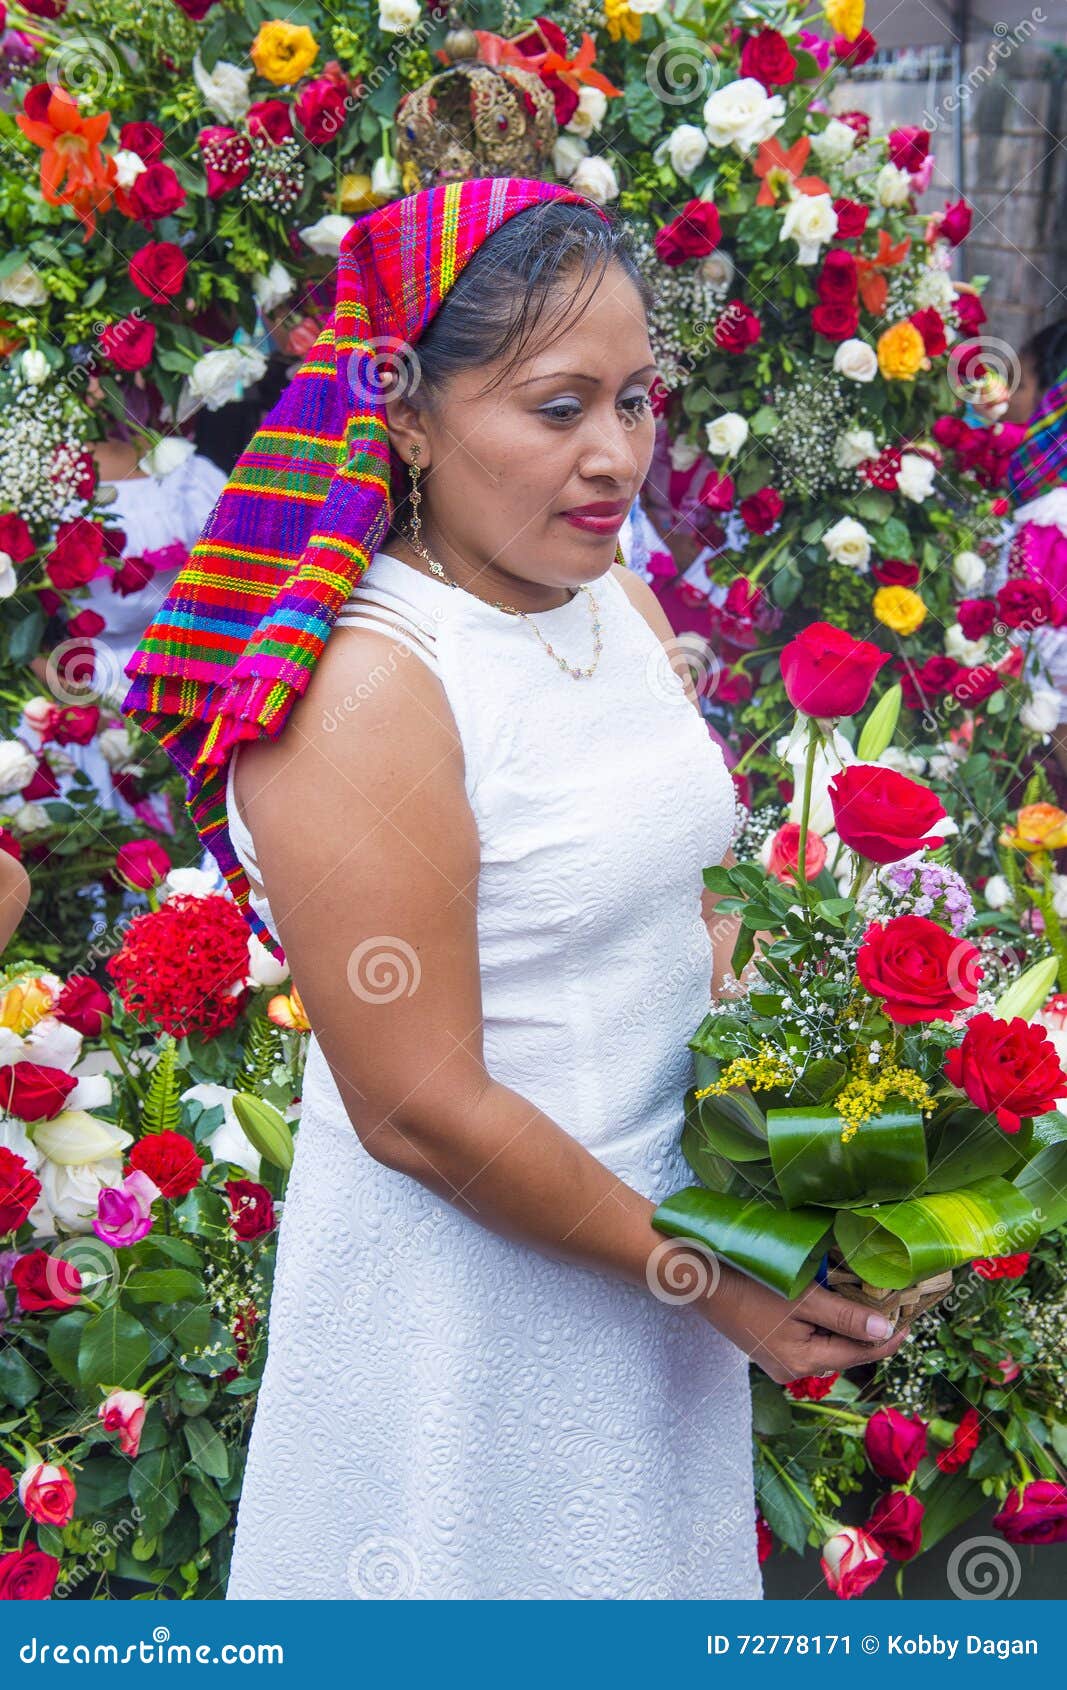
column 446, row 1413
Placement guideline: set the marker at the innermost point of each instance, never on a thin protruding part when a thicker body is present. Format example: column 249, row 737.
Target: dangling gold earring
column 415, row 496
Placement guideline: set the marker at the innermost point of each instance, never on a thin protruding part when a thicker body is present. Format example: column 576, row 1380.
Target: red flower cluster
column 981, row 452
column 1002, row 1267
column 896, row 1524
column 964, row 1443
column 837, row 315
column 184, row 966
column 811, row 1387
column 170, row 1160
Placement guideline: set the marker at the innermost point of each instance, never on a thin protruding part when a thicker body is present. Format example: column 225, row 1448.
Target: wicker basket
column 898, row 1306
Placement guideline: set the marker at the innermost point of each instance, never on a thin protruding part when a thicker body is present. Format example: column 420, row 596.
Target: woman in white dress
column 480, row 841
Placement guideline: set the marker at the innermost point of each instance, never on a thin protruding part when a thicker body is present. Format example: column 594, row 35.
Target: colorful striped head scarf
column 1039, row 462
column 309, row 500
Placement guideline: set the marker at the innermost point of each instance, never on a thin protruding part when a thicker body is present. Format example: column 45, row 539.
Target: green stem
column 827, row 1527
column 835, row 1413
column 116, row 1051
column 768, row 557
column 802, row 844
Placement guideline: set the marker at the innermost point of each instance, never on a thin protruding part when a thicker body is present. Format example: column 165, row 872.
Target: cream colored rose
column 856, row 361
column 727, row 434
column 810, row 220
column 833, row 144
column 385, row 178
column 1041, row 713
column 17, row 765
column 854, row 447
column 915, row 477
column 683, row 454
column 167, row 455
column 33, row 367
column 128, row 166
column 191, row 882
column 687, row 148
column 75, row 1138
column 849, row 543
column 742, row 114
column 325, row 235
column 220, row 376
column 271, row 287
column 8, row 575
column 968, row 570
column 934, row 287
column 970, row 652
column 589, row 112
column 396, row 16
column 892, row 187
column 997, row 892
column 596, row 178
column 23, row 286
column 567, row 155
column 225, row 88
column 264, row 969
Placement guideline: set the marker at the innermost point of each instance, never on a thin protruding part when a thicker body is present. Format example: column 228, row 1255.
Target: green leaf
column 968, row 1146
column 19, row 1383
column 880, row 726
column 885, row 1159
column 181, row 1250
column 163, row 1285
column 1043, row 1179
column 781, row 1508
column 771, row 1413
column 213, row 1510
column 161, row 1111
column 949, row 1500
column 154, row 1487
column 896, row 1244
column 1026, row 994
column 207, row 1448
column 779, row 1247
column 64, row 1341
column 764, row 421
column 113, row 1350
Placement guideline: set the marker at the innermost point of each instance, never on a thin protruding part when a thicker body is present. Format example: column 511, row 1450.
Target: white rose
column 23, row 286
column 38, row 713
column 395, row 16
column 856, row 360
column 29, row 818
column 915, row 478
column 833, row 144
column 128, row 166
column 192, row 882
column 892, row 187
column 115, row 747
column 228, row 1142
column 854, row 447
column 596, row 178
column 33, row 367
column 727, row 434
column 218, row 377
column 326, row 235
column 589, row 112
column 1059, row 895
column 742, row 114
column 683, row 454
column 17, row 765
column 968, row 570
column 264, row 969
column 567, row 154
column 997, row 892
column 970, row 652
column 69, row 1194
column 849, row 543
column 904, row 762
column 810, row 220
column 717, row 270
column 1041, row 713
column 269, row 289
column 167, row 455
column 687, row 148
column 52, row 1043
column 385, row 178
column 225, row 88
column 13, row 1136
column 93, row 1091
column 8, row 575
column 650, row 6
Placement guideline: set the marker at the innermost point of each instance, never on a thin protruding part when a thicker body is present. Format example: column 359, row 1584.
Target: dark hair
column 495, row 304
column 1047, row 351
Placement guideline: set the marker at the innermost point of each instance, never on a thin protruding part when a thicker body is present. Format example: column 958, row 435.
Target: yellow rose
column 23, row 1005
column 356, row 195
column 1038, row 827
column 283, row 52
column 900, row 609
column 621, row 21
column 900, row 352
column 845, row 17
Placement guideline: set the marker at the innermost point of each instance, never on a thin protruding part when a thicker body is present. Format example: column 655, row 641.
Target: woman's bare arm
column 370, row 854
column 14, row 895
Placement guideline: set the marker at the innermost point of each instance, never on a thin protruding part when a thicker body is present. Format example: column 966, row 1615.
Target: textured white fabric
column 446, row 1413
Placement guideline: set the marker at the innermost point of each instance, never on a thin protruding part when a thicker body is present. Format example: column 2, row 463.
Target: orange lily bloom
column 74, row 172
column 874, row 289
column 777, row 168
column 495, row 50
column 289, row 1012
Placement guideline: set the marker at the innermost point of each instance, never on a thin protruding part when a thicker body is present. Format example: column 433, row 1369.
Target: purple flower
column 124, row 1212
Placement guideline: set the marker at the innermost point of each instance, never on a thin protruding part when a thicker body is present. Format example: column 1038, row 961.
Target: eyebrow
column 577, row 375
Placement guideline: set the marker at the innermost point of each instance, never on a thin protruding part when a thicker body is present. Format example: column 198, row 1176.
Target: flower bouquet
column 865, row 1110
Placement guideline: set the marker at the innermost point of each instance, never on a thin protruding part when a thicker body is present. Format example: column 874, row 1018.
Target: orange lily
column 74, row 172
column 289, row 1012
column 578, row 70
column 777, row 168
column 874, row 289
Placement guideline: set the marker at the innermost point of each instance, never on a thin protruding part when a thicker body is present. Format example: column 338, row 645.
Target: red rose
column 227, row 158
column 44, row 783
column 147, row 140
column 158, row 271
column 737, row 329
column 766, row 56
column 937, row 676
column 142, row 864
column 835, row 322
column 1023, row 603
column 954, row 224
column 692, row 234
column 33, row 1091
column 19, row 1189
column 268, row 120
column 922, row 973
column 896, row 1524
column 976, row 617
column 7, row 1484
column 908, row 147
column 76, row 724
column 784, row 854
column 837, row 281
column 27, row 1575
column 15, row 538
column 76, row 554
column 895, row 1444
column 252, row 1208
column 1036, row 1514
column 883, row 815
column 156, row 193
column 764, row 1538
column 320, row 108
column 949, row 431
column 895, row 572
column 828, row 673
column 1002, row 1267
column 858, row 121
column 10, row 844
column 1007, row 1068
column 760, row 511
column 970, row 312
column 964, row 1443
column 851, row 1561
column 46, row 1282
column 717, row 492
column 170, row 1160
column 83, row 1005
column 129, row 343
column 48, row 1494
column 133, row 576
column 86, row 625
column 851, row 219
column 810, row 1387
column 855, row 52
column 196, row 9
column 929, row 324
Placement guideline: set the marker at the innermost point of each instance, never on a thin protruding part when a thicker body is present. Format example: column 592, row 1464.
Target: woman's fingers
column 840, row 1314
column 835, row 1355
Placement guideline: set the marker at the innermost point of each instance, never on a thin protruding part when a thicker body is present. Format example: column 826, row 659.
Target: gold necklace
column 438, row 570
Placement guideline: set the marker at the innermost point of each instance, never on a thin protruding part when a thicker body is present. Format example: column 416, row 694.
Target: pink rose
column 124, row 1212
column 851, row 1560
column 47, row 1493
column 123, row 1412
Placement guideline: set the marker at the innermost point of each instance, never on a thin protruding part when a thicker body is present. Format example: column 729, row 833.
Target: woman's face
column 510, row 469
column 1024, row 400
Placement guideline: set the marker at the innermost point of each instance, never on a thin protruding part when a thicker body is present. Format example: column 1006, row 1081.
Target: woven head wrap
column 297, row 524
column 1039, row 462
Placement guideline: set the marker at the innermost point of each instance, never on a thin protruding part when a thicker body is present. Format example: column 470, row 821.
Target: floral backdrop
column 176, row 177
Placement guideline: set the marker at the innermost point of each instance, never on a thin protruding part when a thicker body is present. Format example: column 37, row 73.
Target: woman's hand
column 817, row 1332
